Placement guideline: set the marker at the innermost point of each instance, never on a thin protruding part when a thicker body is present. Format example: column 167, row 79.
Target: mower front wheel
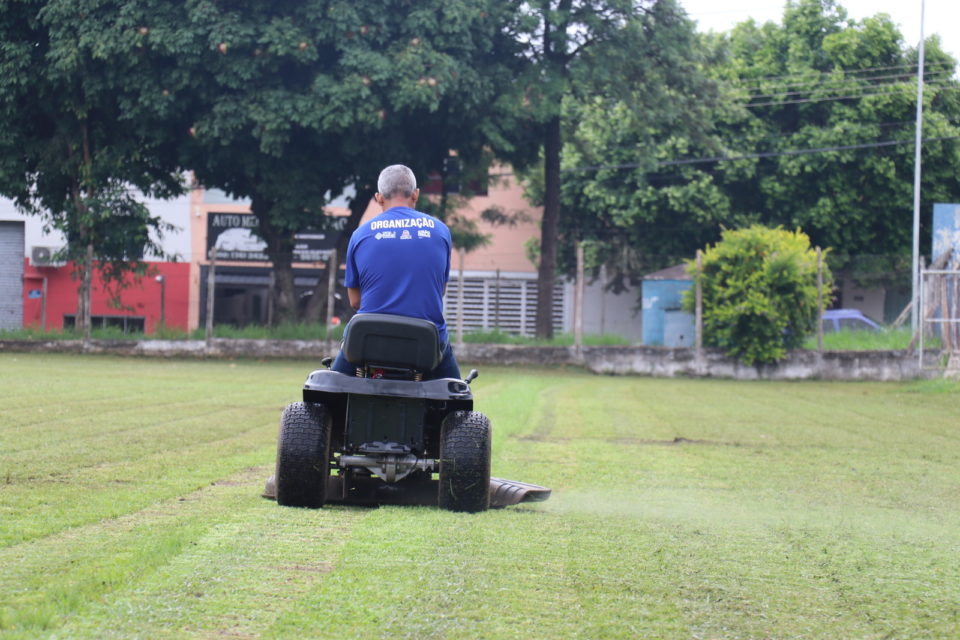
column 465, row 462
column 303, row 455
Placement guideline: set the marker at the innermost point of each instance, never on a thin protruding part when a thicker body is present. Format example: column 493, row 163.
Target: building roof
column 676, row 272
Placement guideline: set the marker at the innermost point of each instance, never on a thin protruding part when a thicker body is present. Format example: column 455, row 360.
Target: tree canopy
column 286, row 104
column 291, row 104
column 651, row 139
column 814, row 131
column 636, row 52
column 68, row 150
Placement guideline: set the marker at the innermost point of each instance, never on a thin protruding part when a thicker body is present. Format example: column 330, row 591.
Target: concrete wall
column 644, row 361
column 871, row 302
column 605, row 312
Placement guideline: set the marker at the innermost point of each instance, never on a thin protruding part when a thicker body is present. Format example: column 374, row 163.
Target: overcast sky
column 941, row 16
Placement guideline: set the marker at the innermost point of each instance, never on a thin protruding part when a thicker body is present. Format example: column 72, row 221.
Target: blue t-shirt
column 400, row 261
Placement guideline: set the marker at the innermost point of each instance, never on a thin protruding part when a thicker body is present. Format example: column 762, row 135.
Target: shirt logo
column 405, row 235
column 403, row 222
column 385, row 234
column 423, row 233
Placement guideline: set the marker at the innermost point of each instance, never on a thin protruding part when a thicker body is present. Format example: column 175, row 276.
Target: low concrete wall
column 665, row 362
column 644, row 361
column 219, row 348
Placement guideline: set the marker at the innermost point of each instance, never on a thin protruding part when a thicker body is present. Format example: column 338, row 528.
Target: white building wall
column 34, row 234
column 609, row 313
column 175, row 212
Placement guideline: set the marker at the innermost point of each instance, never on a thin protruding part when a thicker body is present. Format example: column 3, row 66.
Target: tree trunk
column 79, row 322
column 548, row 228
column 280, row 251
column 87, row 289
column 358, row 206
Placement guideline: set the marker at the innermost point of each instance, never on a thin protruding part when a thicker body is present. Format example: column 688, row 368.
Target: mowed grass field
column 130, row 508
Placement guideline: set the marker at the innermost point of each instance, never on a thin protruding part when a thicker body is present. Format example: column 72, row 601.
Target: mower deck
column 372, row 492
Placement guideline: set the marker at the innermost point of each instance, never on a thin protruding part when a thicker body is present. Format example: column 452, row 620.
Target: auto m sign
column 234, row 236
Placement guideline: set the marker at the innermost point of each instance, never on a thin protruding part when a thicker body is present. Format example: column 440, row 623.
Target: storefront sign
column 234, row 237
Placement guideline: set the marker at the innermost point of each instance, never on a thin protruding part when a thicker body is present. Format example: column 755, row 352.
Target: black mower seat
column 392, row 341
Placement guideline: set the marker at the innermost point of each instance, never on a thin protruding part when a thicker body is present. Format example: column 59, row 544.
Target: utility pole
column 915, row 314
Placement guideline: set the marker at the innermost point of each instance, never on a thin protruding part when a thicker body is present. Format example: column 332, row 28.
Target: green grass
column 496, row 336
column 100, row 333
column 129, row 508
column 292, row 331
column 288, row 331
column 884, row 340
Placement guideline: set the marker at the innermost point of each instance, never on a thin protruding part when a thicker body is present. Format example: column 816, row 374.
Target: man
column 399, row 263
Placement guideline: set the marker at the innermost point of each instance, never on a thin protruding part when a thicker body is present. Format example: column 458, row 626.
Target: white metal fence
column 507, row 303
column 940, row 309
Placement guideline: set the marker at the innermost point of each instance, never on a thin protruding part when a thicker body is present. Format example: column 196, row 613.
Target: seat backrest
column 392, row 341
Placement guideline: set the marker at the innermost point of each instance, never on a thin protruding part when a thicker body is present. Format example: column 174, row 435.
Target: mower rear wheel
column 303, row 455
column 465, row 462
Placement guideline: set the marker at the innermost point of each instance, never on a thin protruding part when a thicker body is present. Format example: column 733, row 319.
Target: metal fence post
column 460, row 285
column 211, row 283
column 819, row 299
column 578, row 305
column 332, row 265
column 698, row 308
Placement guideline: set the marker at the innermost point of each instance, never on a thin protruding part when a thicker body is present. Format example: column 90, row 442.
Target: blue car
column 848, row 320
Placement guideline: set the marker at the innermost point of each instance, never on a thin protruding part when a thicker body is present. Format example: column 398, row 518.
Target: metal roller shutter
column 11, row 274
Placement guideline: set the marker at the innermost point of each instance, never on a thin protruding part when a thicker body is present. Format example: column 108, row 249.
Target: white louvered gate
column 11, row 275
column 506, row 303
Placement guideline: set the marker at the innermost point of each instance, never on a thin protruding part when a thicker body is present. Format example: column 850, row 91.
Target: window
column 127, row 324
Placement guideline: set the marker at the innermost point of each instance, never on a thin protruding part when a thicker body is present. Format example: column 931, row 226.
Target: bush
column 759, row 293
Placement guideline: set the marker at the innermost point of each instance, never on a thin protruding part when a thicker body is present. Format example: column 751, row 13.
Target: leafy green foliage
column 286, row 104
column 813, row 129
column 609, row 49
column 68, row 149
column 759, row 293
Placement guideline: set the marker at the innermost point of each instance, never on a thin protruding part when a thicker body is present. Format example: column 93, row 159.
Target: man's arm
column 354, row 296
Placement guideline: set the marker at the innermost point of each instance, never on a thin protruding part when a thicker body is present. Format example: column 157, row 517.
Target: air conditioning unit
column 44, row 257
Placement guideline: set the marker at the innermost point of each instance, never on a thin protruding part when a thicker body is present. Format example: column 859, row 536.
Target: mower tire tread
column 465, row 462
column 303, row 455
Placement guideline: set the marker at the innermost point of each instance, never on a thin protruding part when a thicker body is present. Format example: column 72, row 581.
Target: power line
column 753, row 156
column 806, row 75
column 806, row 130
column 840, row 84
column 847, row 97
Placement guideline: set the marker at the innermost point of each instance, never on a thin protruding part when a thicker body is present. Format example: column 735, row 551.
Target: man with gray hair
column 399, row 263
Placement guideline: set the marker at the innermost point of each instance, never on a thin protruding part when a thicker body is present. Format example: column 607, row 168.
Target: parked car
column 848, row 320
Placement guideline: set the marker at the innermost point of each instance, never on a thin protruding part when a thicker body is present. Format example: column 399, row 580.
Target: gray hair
column 395, row 180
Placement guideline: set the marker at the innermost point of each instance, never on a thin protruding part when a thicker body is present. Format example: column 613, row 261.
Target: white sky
column 941, row 16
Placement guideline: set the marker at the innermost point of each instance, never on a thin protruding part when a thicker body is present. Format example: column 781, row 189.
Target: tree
column 760, row 294
column 592, row 48
column 815, row 131
column 289, row 104
column 845, row 84
column 68, row 151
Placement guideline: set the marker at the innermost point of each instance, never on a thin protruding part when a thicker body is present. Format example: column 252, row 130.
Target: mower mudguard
column 326, row 381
